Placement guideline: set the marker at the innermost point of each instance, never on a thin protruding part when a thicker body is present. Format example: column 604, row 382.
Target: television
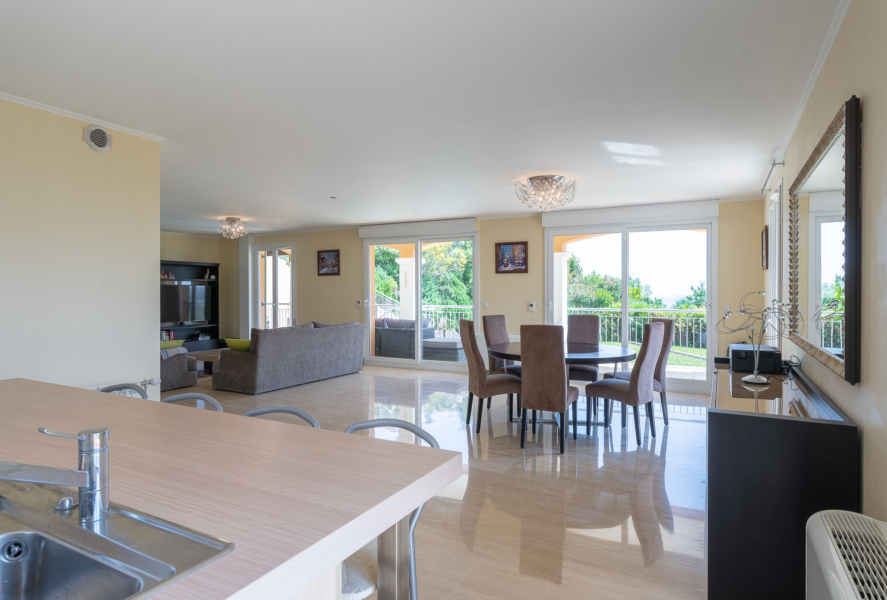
column 185, row 303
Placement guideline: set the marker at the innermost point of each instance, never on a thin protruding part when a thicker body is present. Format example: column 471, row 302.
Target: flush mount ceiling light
column 545, row 192
column 231, row 228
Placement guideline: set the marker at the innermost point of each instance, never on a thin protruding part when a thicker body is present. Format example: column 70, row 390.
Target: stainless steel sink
column 49, row 553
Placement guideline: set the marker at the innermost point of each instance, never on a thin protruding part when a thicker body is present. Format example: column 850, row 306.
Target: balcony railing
column 832, row 325
column 690, row 335
column 445, row 319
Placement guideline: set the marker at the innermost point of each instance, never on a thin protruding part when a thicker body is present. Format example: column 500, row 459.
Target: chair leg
column 470, row 402
column 624, row 416
column 652, row 417
column 637, row 425
column 575, row 419
column 588, row 416
column 664, row 406
column 563, row 430
column 480, row 411
column 607, row 414
column 534, row 422
column 523, row 429
column 594, row 407
column 520, row 408
column 510, row 406
column 489, row 402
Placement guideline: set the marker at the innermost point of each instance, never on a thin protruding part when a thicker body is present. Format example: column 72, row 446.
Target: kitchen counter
column 295, row 501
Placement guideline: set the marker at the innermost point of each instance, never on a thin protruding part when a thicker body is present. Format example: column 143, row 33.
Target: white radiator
column 846, row 556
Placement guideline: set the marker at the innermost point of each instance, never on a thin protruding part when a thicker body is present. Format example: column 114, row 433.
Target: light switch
column 532, row 307
column 359, row 303
column 486, row 305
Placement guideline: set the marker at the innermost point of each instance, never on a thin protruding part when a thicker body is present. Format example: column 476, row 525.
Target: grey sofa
column 288, row 356
column 177, row 372
column 396, row 338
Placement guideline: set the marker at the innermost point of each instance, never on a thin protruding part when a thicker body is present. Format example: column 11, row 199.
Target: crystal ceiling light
column 545, row 192
column 231, row 228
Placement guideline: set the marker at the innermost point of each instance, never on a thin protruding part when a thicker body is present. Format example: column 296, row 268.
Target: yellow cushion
column 172, row 344
column 239, row 345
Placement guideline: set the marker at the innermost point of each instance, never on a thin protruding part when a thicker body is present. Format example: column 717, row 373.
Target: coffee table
column 208, row 357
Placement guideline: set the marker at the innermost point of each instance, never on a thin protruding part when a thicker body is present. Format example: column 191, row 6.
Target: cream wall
column 739, row 262
column 78, row 300
column 855, row 66
column 510, row 293
column 328, row 299
column 214, row 249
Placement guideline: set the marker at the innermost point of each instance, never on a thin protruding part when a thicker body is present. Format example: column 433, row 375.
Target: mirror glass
column 821, row 253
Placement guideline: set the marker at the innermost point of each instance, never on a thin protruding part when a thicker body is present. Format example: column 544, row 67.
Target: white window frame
column 710, row 224
column 369, row 291
column 256, row 310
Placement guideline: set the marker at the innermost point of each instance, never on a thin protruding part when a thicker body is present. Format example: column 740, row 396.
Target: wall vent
column 98, row 138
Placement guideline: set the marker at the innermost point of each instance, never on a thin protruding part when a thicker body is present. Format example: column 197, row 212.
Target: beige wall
column 855, row 66
column 509, row 294
column 78, row 300
column 739, row 262
column 329, row 299
column 214, row 249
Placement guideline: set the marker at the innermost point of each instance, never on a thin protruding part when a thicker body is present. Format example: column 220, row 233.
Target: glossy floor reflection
column 608, row 519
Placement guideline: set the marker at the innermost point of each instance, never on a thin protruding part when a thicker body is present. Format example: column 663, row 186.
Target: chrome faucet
column 91, row 477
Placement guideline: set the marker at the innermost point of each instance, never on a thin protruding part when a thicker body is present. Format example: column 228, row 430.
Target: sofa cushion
column 380, row 323
column 308, row 325
column 171, row 344
column 442, row 342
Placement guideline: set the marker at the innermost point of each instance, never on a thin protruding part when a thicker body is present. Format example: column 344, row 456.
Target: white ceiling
column 409, row 110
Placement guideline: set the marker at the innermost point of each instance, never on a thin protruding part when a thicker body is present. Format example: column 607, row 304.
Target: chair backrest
column 418, row 431
column 195, row 396
column 477, row 374
column 495, row 332
column 126, row 386
column 584, row 329
column 645, row 365
column 544, row 369
column 667, row 341
column 284, row 409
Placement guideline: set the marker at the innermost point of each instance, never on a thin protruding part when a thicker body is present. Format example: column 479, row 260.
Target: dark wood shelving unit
column 186, row 271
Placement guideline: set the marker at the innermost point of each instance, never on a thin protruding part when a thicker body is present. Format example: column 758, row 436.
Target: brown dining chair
column 544, row 383
column 585, row 329
column 638, row 389
column 661, row 364
column 495, row 332
column 480, row 383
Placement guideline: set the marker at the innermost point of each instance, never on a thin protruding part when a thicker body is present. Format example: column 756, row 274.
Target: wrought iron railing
column 445, row 319
column 832, row 326
column 690, row 338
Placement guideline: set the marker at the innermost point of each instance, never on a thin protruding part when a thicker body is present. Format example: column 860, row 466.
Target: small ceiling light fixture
column 545, row 192
column 231, row 228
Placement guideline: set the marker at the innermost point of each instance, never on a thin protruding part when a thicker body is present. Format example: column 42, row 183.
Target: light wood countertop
column 295, row 501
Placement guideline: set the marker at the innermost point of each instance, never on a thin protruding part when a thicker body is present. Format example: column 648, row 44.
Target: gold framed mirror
column 825, row 247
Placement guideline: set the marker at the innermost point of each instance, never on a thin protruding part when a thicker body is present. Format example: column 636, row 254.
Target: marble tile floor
column 607, row 519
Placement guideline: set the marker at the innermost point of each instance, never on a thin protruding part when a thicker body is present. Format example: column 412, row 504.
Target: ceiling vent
column 98, row 138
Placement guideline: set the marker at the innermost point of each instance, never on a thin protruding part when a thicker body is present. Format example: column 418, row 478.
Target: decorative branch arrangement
column 769, row 324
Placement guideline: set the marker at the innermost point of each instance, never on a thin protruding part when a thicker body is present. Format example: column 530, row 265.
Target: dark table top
column 576, row 354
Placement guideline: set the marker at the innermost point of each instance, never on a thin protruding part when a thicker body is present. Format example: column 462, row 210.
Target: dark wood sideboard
column 768, row 472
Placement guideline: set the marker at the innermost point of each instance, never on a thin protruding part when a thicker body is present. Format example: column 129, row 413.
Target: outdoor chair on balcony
column 659, row 373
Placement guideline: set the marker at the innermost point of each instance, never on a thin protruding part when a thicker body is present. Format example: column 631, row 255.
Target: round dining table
column 574, row 354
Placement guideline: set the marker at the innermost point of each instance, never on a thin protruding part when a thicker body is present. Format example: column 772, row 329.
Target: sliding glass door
column 275, row 287
column 629, row 276
column 418, row 291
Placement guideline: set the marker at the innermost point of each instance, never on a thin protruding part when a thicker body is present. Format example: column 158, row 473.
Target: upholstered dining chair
column 359, row 574
column 495, row 332
column 638, row 389
column 545, row 385
column 661, row 364
column 585, row 329
column 480, row 383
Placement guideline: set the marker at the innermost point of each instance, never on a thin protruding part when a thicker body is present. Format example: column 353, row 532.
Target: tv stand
column 196, row 271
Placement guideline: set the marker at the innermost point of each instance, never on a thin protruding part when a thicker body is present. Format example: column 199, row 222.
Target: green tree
column 697, row 297
column 387, row 271
column 446, row 274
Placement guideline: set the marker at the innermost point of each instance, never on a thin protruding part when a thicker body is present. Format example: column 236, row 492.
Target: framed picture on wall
column 511, row 257
column 765, row 248
column 328, row 262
